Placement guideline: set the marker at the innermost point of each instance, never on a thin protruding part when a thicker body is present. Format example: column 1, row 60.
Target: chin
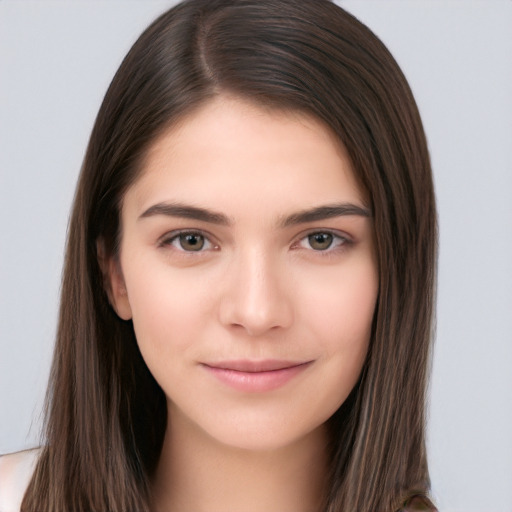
column 258, row 442
column 264, row 434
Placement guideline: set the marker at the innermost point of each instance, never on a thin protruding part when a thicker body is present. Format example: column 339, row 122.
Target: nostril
column 254, row 297
column 255, row 318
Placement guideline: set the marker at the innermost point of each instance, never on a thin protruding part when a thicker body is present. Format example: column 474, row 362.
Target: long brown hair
column 106, row 415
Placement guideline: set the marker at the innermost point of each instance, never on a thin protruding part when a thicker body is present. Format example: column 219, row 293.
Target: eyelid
column 341, row 235
column 168, row 238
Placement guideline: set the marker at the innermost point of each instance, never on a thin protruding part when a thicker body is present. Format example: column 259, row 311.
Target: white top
column 15, row 472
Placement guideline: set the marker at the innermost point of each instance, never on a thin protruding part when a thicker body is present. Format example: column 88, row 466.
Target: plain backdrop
column 56, row 61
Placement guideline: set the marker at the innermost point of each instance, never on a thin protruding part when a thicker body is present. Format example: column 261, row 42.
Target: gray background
column 56, row 61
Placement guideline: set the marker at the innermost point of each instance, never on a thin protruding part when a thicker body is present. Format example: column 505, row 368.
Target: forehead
column 231, row 148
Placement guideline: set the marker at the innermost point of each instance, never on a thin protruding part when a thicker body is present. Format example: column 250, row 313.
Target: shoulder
column 15, row 472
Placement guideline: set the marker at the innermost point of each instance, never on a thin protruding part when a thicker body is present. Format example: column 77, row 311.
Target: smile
column 256, row 376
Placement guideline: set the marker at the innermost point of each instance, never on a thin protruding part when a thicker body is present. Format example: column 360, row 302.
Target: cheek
column 340, row 308
column 168, row 312
column 340, row 320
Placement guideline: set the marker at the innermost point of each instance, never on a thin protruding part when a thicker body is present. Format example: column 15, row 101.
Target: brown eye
column 191, row 241
column 320, row 241
column 188, row 242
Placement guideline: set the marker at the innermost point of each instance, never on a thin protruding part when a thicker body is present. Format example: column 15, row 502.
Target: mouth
column 256, row 376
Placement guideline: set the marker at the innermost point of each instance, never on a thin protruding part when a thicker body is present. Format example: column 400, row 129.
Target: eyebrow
column 186, row 212
column 325, row 212
column 302, row 217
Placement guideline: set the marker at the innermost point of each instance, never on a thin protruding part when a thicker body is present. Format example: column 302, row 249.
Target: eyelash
column 341, row 241
column 174, row 237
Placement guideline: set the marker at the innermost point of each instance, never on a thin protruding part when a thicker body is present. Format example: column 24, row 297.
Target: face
column 246, row 264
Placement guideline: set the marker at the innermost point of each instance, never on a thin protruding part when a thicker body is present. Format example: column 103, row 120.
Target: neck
column 196, row 473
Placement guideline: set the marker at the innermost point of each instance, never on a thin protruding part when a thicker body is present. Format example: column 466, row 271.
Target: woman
column 247, row 296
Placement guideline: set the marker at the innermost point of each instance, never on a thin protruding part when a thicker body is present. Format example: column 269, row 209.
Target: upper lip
column 251, row 366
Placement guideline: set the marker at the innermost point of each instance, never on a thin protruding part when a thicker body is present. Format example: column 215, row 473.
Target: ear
column 113, row 282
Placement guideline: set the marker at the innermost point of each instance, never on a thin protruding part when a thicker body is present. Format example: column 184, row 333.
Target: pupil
column 191, row 242
column 320, row 241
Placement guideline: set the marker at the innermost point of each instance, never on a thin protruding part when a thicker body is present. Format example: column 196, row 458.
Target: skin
column 260, row 288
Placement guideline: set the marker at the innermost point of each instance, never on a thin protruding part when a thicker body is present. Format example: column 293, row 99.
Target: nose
column 255, row 297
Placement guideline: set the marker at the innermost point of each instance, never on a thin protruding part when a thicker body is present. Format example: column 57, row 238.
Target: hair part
column 105, row 413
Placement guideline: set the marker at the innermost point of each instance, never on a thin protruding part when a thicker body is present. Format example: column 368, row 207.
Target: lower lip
column 256, row 382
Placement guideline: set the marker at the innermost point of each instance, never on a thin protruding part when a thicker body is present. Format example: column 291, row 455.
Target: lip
column 256, row 376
